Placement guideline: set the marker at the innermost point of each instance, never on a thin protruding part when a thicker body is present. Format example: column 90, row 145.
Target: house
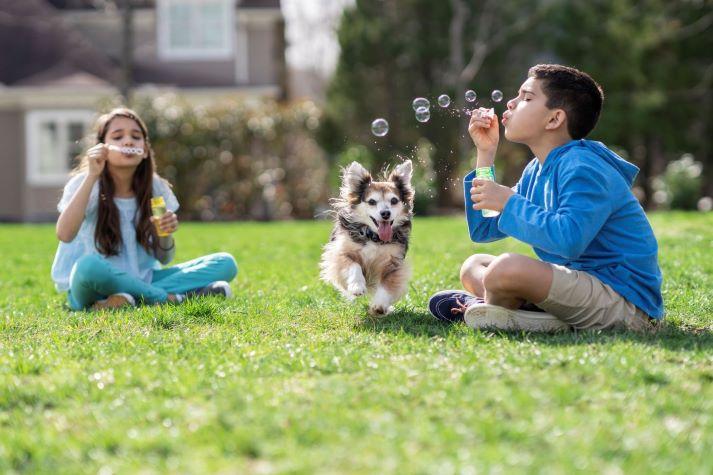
column 62, row 58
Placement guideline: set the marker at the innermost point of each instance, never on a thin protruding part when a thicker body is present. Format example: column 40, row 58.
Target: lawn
column 286, row 377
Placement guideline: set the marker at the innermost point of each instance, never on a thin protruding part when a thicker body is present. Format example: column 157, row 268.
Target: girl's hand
column 485, row 132
column 97, row 156
column 168, row 223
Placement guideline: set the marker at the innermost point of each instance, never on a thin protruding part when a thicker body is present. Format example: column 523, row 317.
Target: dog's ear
column 402, row 172
column 355, row 180
column 401, row 177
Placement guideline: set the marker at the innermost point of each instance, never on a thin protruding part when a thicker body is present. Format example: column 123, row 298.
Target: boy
column 573, row 205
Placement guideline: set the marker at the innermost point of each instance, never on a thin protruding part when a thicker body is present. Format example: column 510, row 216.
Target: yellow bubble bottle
column 158, row 209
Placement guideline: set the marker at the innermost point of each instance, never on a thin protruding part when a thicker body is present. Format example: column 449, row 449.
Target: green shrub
column 680, row 185
column 254, row 159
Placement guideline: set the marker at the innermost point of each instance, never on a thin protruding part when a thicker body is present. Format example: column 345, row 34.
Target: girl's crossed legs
column 93, row 278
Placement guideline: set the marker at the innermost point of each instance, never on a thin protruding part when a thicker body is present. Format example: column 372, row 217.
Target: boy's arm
column 484, row 129
column 584, row 206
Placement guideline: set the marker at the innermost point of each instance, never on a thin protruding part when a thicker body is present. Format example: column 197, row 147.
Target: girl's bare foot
column 175, row 298
column 115, row 301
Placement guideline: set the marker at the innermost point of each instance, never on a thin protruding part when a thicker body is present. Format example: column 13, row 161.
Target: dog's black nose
column 386, row 214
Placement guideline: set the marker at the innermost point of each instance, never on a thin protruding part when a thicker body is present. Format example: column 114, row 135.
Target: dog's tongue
column 385, row 231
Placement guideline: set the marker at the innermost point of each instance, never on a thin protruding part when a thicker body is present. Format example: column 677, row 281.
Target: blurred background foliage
column 652, row 58
column 267, row 160
column 239, row 160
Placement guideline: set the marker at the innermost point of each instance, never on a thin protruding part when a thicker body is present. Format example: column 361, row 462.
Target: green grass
column 286, row 377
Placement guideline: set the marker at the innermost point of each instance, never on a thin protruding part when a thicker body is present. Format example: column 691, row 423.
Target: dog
column 367, row 248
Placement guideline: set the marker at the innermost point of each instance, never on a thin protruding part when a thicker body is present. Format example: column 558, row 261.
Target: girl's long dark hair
column 107, row 234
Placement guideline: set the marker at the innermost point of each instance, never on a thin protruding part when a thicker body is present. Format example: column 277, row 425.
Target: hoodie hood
column 626, row 169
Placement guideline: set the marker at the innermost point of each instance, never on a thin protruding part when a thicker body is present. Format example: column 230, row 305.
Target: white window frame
column 171, row 53
column 61, row 117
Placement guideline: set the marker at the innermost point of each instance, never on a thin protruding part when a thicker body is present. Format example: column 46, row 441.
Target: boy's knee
column 228, row 268
column 471, row 267
column 473, row 263
column 503, row 273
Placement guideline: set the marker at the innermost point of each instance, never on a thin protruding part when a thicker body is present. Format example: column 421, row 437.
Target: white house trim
column 62, row 119
column 169, row 52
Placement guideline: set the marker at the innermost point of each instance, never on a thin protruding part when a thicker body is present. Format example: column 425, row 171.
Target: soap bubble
column 444, row 100
column 420, row 102
column 496, row 95
column 470, row 95
column 423, row 114
column 380, row 127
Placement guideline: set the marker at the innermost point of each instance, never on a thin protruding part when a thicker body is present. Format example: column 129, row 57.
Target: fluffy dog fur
column 366, row 252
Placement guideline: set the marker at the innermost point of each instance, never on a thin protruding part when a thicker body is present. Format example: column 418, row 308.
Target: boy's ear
column 355, row 180
column 558, row 118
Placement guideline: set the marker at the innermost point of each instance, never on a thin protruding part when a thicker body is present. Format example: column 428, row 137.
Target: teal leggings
column 93, row 278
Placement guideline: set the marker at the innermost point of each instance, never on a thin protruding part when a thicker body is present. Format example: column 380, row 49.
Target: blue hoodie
column 577, row 210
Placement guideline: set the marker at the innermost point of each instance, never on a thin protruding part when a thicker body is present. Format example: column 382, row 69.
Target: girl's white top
column 132, row 257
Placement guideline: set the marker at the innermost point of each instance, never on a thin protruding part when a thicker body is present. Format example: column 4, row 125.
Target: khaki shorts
column 585, row 302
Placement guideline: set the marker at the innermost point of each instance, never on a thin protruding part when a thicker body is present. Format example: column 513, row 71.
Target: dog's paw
column 356, row 289
column 380, row 310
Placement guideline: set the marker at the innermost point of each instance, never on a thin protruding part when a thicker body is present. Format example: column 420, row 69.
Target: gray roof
column 36, row 41
column 99, row 4
column 41, row 50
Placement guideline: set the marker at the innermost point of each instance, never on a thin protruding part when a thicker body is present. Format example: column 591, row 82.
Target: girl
column 110, row 250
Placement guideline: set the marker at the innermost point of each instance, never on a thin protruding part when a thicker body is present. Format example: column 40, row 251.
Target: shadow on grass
column 422, row 323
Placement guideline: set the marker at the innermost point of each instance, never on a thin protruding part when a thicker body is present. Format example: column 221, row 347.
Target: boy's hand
column 168, row 223
column 487, row 194
column 485, row 132
column 97, row 159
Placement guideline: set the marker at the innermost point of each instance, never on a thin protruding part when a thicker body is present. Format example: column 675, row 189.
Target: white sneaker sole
column 482, row 316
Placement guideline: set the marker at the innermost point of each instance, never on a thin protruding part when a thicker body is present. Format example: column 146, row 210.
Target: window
column 54, row 139
column 195, row 29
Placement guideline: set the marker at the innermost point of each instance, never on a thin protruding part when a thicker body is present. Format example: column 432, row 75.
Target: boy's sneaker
column 492, row 317
column 115, row 301
column 450, row 305
column 219, row 287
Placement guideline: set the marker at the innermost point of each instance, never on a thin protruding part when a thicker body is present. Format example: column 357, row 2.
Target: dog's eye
column 394, row 201
column 372, row 202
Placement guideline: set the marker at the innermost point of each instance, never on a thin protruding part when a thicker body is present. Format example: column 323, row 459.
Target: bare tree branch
column 455, row 35
column 480, row 44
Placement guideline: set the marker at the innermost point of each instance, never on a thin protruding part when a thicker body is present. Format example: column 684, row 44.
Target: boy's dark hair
column 573, row 91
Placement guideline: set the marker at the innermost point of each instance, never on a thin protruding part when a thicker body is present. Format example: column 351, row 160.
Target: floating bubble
column 496, row 95
column 470, row 95
column 423, row 114
column 420, row 102
column 380, row 127
column 444, row 100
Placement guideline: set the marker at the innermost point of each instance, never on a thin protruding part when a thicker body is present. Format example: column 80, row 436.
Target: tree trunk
column 127, row 49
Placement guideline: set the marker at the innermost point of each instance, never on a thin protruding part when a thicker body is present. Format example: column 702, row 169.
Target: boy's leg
column 576, row 298
column 93, row 279
column 196, row 273
column 472, row 271
column 583, row 301
column 508, row 280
